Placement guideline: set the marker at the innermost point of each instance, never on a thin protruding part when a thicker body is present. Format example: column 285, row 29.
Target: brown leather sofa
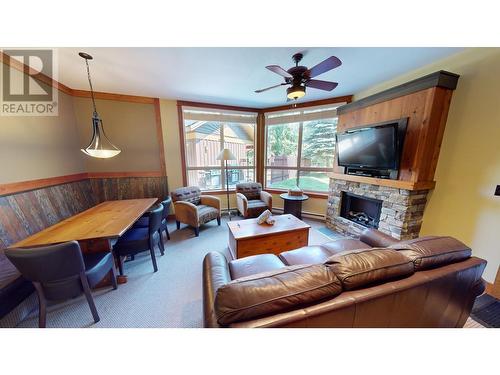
column 194, row 209
column 252, row 200
column 375, row 281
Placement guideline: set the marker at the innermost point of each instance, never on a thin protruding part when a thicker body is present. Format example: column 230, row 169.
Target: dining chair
column 61, row 271
column 139, row 239
column 143, row 222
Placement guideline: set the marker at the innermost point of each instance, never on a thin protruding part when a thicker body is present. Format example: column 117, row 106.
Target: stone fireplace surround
column 401, row 214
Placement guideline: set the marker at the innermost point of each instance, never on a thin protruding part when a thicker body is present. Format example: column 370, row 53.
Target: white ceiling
column 230, row 75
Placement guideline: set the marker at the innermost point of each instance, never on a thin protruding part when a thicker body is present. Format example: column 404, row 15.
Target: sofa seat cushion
column 254, row 264
column 255, row 208
column 254, row 203
column 433, row 251
column 206, row 213
column 274, row 292
column 344, row 244
column 305, row 255
column 365, row 267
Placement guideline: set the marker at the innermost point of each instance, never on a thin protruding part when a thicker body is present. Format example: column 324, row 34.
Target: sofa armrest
column 211, row 201
column 242, row 203
column 267, row 199
column 376, row 238
column 186, row 213
column 215, row 274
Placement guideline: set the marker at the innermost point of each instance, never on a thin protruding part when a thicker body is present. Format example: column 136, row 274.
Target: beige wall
column 462, row 204
column 171, row 141
column 40, row 147
column 130, row 126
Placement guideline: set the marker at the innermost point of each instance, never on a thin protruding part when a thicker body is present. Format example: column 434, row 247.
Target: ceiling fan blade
column 322, row 85
column 269, row 88
column 330, row 63
column 279, row 70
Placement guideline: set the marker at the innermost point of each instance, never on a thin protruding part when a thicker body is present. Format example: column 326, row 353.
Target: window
column 206, row 133
column 300, row 148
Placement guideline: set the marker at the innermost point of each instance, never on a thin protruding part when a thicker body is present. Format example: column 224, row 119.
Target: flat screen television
column 371, row 148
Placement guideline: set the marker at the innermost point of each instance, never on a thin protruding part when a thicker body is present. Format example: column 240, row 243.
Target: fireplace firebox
column 361, row 210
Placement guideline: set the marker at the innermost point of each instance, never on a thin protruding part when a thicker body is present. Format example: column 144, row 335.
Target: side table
column 293, row 204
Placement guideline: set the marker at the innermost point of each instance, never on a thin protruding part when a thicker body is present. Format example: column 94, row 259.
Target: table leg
column 293, row 207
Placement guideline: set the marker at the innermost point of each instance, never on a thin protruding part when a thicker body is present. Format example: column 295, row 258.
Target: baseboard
column 309, row 215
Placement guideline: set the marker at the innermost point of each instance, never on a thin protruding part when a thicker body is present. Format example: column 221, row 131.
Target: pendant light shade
column 100, row 146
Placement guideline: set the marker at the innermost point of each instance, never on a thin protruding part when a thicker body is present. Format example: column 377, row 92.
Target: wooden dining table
column 95, row 228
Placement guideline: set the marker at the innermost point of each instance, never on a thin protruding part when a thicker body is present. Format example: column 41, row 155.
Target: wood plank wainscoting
column 28, row 207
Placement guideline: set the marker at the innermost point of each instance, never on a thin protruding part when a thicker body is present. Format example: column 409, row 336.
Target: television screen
column 371, row 147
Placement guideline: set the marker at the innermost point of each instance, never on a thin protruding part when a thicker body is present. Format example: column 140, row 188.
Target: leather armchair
column 194, row 209
column 251, row 200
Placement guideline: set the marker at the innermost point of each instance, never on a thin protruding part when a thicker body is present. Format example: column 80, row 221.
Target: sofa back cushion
column 274, row 292
column 191, row 194
column 251, row 190
column 433, row 251
column 365, row 267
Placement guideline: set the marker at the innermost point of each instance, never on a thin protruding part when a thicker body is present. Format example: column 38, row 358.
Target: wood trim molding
column 182, row 141
column 6, row 59
column 125, row 174
column 15, row 64
column 398, row 184
column 17, row 187
column 116, row 97
column 441, row 78
column 260, row 154
column 159, row 134
column 313, row 103
column 217, row 106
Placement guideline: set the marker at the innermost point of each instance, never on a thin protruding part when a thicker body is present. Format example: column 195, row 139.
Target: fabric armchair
column 194, row 209
column 251, row 200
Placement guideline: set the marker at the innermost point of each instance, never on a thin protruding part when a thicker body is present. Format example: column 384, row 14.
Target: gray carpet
column 170, row 298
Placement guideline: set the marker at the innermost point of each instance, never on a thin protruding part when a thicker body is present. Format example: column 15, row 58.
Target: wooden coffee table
column 247, row 238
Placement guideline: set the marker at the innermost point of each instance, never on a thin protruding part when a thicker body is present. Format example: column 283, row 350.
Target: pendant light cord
column 91, row 88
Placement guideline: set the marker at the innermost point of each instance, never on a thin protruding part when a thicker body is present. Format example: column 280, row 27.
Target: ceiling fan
column 299, row 77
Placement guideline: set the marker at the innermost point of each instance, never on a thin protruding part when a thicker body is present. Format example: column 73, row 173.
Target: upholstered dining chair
column 143, row 222
column 194, row 209
column 62, row 272
column 137, row 240
column 252, row 200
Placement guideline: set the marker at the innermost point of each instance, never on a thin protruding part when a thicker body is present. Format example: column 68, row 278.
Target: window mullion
column 299, row 151
column 223, row 170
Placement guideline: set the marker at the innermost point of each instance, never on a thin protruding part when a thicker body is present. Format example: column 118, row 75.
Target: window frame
column 223, row 124
column 298, row 166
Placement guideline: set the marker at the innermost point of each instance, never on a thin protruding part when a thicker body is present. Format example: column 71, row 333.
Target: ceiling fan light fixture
column 295, row 92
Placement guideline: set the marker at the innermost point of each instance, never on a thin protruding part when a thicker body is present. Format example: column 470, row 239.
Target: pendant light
column 100, row 146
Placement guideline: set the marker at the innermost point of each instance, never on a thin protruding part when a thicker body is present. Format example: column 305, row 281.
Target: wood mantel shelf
column 398, row 184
